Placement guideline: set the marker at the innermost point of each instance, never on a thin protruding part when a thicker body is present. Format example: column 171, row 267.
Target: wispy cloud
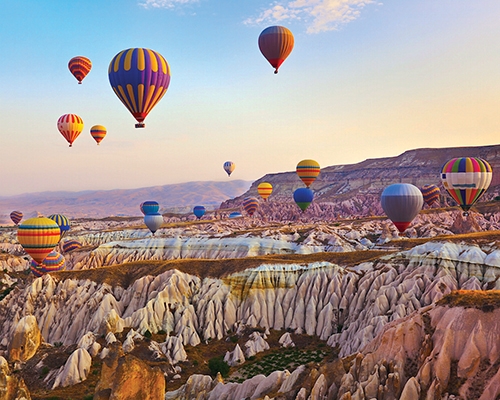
column 321, row 15
column 165, row 3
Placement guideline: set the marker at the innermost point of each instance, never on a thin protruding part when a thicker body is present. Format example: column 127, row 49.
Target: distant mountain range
column 179, row 198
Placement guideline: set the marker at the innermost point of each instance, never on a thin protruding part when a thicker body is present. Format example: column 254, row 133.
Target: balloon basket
column 140, row 125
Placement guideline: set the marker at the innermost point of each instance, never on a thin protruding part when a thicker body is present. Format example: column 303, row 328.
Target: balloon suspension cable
column 140, row 125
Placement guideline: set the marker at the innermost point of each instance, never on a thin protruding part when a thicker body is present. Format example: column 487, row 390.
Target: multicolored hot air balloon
column 150, row 207
column 265, row 189
column 308, row 171
column 199, row 211
column 402, row 202
column 38, row 236
column 235, row 214
column 466, row 179
column 139, row 77
column 62, row 221
column 79, row 66
column 153, row 222
column 303, row 197
column 70, row 245
column 229, row 167
column 16, row 216
column 52, row 263
column 276, row 44
column 431, row 194
column 98, row 132
column 70, row 126
column 250, row 204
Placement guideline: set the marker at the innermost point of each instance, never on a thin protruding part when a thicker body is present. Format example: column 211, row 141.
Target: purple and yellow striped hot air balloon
column 276, row 44
column 70, row 126
column 250, row 204
column 308, row 171
column 430, row 193
column 229, row 167
column 79, row 66
column 265, row 189
column 38, row 236
column 466, row 179
column 52, row 263
column 70, row 245
column 16, row 216
column 139, row 77
column 98, row 132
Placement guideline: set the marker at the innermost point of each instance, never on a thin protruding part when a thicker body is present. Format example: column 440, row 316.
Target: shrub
column 147, row 334
column 217, row 364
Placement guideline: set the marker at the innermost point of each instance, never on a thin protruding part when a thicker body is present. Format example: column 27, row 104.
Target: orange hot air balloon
column 98, row 132
column 70, row 126
column 38, row 236
column 265, row 189
column 308, row 171
column 80, row 66
column 276, row 44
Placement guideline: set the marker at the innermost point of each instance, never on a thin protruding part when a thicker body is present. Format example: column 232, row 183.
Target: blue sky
column 365, row 80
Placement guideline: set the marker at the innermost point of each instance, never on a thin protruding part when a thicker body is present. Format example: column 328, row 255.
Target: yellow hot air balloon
column 308, row 170
column 98, row 132
column 38, row 236
column 265, row 189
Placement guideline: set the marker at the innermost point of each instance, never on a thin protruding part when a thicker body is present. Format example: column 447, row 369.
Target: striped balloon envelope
column 308, row 171
column 265, row 189
column 38, row 236
column 70, row 126
column 79, row 66
column 276, row 44
column 466, row 179
column 150, row 207
column 229, row 167
column 70, row 245
column 52, row 263
column 431, row 194
column 16, row 216
column 62, row 221
column 98, row 132
column 140, row 78
column 303, row 197
column 250, row 205
column 402, row 202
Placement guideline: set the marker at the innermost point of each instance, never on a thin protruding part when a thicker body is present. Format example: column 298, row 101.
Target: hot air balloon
column 70, row 126
column 16, row 216
column 70, row 245
column 62, row 221
column 150, row 207
column 229, row 167
column 139, row 77
column 38, row 236
column 52, row 263
column 153, row 222
column 402, row 202
column 250, row 204
column 430, row 193
column 308, row 171
column 276, row 44
column 303, row 197
column 199, row 211
column 265, row 189
column 466, row 179
column 80, row 66
column 235, row 214
column 98, row 132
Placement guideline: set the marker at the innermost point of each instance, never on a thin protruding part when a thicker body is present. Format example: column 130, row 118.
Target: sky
column 366, row 79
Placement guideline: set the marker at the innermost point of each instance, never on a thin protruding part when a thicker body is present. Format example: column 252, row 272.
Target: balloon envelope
column 308, row 171
column 235, row 214
column 52, row 263
column 430, row 193
column 140, row 78
column 229, row 167
column 265, row 189
column 70, row 126
column 70, row 245
column 38, row 236
column 16, row 216
column 153, row 222
column 303, row 197
column 250, row 204
column 62, row 221
column 466, row 179
column 402, row 202
column 276, row 44
column 79, row 66
column 199, row 211
column 98, row 132
column 150, row 207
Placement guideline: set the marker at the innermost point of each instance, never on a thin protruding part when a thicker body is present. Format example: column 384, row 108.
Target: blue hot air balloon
column 150, row 207
column 303, row 197
column 199, row 211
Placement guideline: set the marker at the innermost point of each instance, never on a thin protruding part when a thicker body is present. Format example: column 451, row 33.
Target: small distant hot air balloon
column 153, row 222
column 276, row 44
column 199, row 211
column 265, row 189
column 235, row 214
column 98, row 132
column 16, row 216
column 70, row 245
column 250, row 204
column 308, row 171
column 139, row 77
column 466, row 179
column 70, row 126
column 80, row 66
column 62, row 221
column 229, row 167
column 303, row 197
column 150, row 207
column 38, row 236
column 402, row 202
column 430, row 193
column 52, row 263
